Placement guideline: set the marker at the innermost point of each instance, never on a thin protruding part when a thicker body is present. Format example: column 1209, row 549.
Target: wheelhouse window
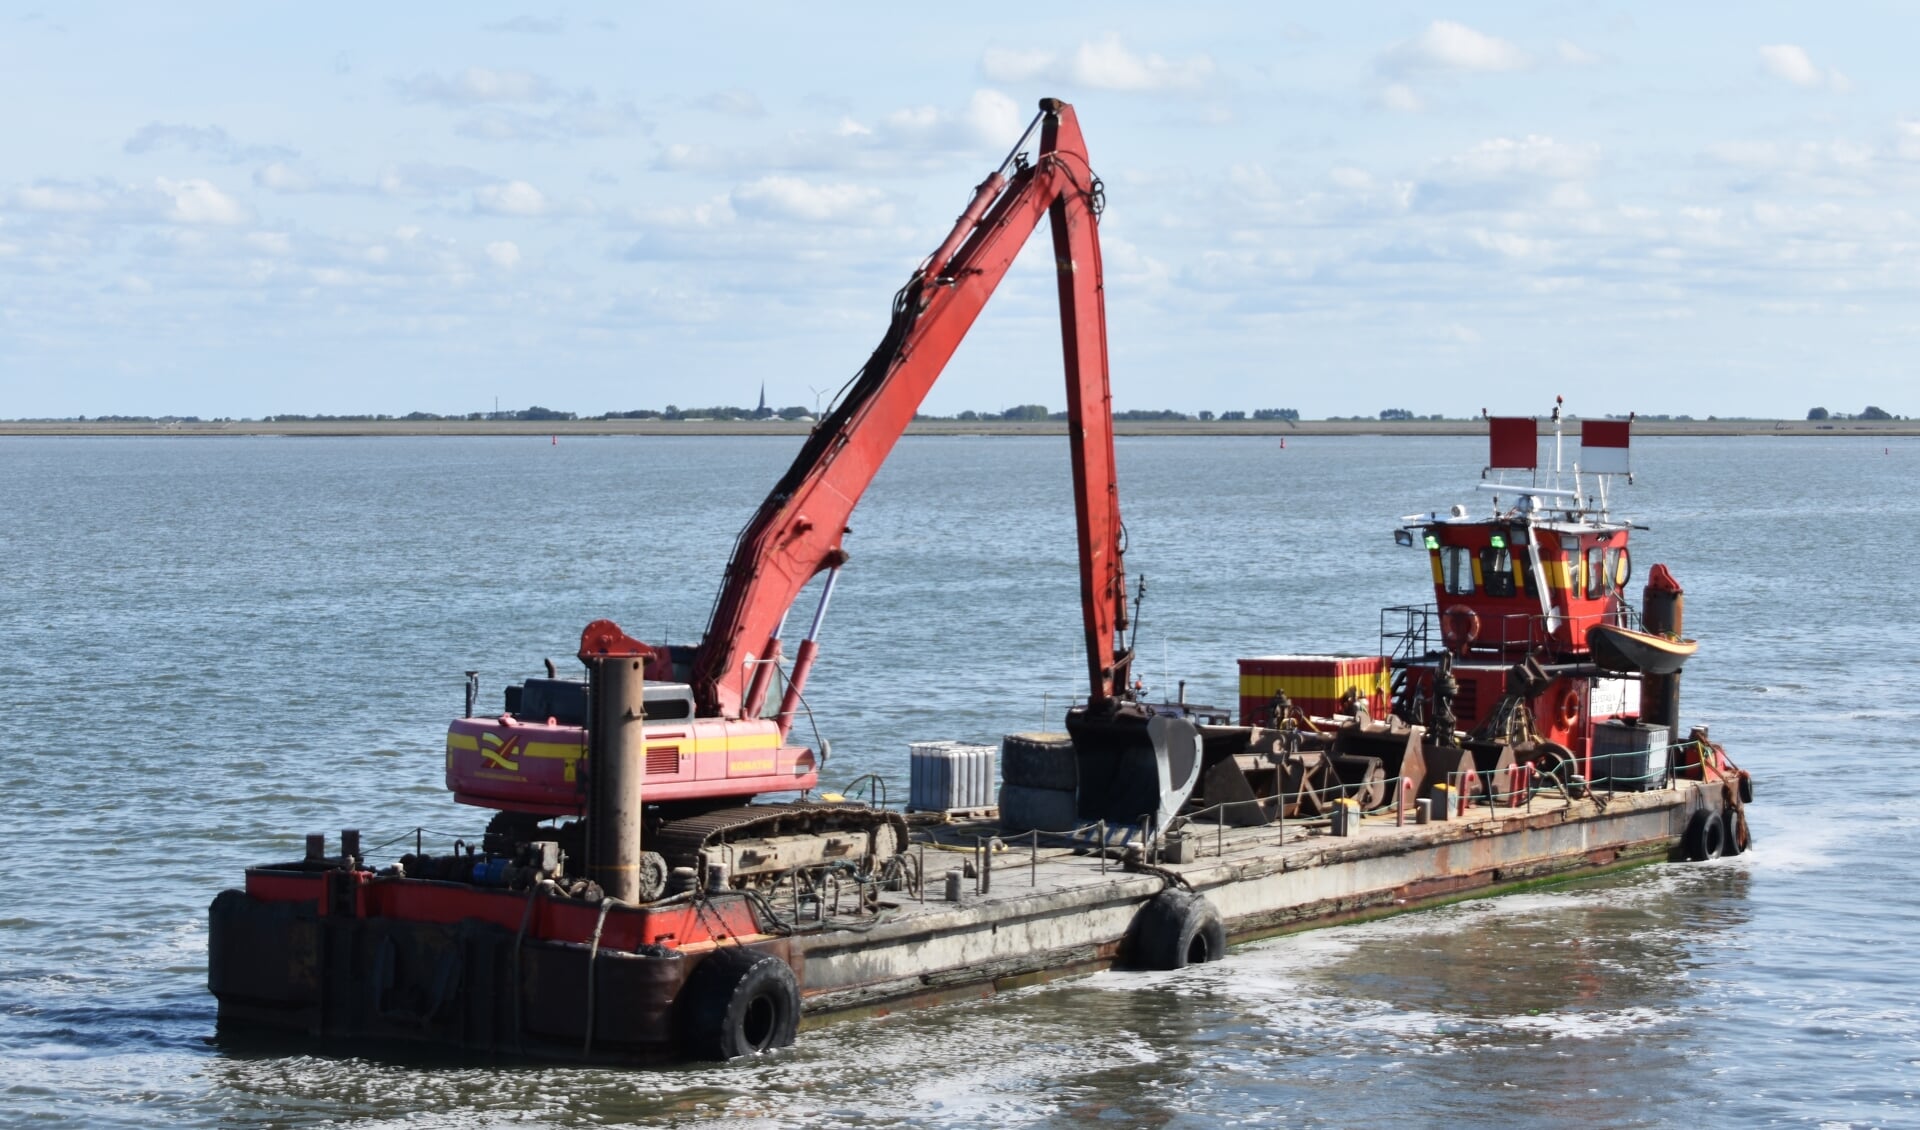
column 1496, row 571
column 1456, row 569
column 1597, row 571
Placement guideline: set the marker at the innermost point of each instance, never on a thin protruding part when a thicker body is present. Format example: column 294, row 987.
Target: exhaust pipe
column 616, row 757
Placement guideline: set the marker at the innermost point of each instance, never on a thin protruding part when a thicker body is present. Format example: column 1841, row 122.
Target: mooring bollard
column 1423, row 811
column 1346, row 817
column 954, row 879
column 1445, row 802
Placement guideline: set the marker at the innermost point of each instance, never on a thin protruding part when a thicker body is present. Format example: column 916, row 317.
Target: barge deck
column 1041, row 910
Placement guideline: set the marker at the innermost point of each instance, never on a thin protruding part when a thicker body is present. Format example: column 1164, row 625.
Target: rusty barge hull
column 481, row 986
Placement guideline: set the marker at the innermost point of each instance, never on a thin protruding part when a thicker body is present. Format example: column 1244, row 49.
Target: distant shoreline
column 926, row 428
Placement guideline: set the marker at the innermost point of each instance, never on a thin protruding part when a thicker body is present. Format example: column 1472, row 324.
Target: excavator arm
column 798, row 530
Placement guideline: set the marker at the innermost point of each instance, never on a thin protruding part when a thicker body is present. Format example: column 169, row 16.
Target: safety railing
column 1414, row 631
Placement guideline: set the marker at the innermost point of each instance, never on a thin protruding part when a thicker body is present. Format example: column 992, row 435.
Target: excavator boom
column 798, row 530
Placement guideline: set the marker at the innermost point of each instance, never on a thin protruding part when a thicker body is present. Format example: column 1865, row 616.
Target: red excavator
column 709, row 736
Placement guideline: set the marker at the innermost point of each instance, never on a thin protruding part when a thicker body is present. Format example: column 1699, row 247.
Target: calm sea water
column 211, row 647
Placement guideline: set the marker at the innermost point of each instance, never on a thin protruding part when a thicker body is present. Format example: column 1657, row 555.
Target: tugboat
column 1530, row 669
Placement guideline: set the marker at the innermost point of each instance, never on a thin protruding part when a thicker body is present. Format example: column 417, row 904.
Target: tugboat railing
column 1411, row 632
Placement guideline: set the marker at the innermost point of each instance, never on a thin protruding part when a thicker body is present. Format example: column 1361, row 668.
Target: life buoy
column 1459, row 626
column 1570, row 707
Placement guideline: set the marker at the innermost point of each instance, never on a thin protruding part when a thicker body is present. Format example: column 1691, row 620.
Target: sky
column 240, row 210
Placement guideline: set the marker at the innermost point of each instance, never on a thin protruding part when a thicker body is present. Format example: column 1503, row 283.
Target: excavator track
column 772, row 839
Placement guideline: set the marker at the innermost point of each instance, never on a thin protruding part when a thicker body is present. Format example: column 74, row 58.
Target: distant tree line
column 1036, row 412
column 1870, row 412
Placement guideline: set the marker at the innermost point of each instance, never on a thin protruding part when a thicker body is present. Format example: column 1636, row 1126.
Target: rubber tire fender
column 1705, row 837
column 1173, row 930
column 738, row 1002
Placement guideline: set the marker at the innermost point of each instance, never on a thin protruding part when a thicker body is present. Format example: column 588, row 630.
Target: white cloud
column 1784, row 60
column 1791, row 63
column 503, row 253
column 735, row 102
column 531, row 25
column 1400, row 97
column 476, row 85
column 990, row 118
column 210, row 140
column 1509, row 244
column 583, row 115
column 52, row 197
column 1907, row 139
column 1103, row 64
column 1574, row 55
column 199, row 202
column 281, row 177
column 915, row 139
column 514, row 198
column 428, row 180
column 1007, row 64
column 1346, row 176
column 1449, row 46
column 270, row 242
column 1747, row 154
column 795, row 199
column 1533, row 155
column 993, row 117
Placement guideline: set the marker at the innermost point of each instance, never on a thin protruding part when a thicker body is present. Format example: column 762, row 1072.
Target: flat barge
column 313, row 947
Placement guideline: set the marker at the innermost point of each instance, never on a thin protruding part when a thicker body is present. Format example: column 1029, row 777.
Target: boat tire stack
column 1038, row 776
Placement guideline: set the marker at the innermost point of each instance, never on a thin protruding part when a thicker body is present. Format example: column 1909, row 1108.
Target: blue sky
column 249, row 209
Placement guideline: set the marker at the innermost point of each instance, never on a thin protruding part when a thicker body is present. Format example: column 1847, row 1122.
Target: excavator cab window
column 1456, row 569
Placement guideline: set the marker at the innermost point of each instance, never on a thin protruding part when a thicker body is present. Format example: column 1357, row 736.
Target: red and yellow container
column 1315, row 683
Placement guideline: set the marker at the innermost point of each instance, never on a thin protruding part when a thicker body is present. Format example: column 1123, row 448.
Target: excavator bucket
column 1134, row 765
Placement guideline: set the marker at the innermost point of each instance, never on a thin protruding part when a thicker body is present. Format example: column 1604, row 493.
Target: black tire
column 1746, row 788
column 1039, row 761
column 1174, row 930
column 1733, row 823
column 1705, row 837
column 738, row 1002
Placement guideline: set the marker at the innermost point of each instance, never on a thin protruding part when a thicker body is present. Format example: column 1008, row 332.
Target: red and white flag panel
column 1603, row 446
column 1513, row 442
